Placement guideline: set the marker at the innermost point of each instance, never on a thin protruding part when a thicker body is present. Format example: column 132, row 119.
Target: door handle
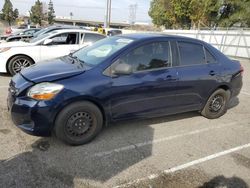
column 212, row 73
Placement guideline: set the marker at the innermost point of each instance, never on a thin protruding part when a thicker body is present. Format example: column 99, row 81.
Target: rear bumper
column 236, row 85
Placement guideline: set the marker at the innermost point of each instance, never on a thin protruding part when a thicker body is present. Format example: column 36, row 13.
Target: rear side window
column 90, row 37
column 191, row 53
column 210, row 57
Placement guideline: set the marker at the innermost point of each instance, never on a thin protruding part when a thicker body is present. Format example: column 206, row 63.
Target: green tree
column 36, row 13
column 194, row 13
column 204, row 12
column 15, row 14
column 235, row 12
column 51, row 13
column 170, row 13
column 7, row 11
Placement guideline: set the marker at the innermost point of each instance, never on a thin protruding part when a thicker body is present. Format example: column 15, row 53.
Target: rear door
column 150, row 90
column 198, row 72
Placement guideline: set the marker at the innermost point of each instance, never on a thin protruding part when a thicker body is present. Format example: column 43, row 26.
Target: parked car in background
column 23, row 35
column 18, row 38
column 3, row 38
column 122, row 77
column 114, row 32
column 31, row 31
column 53, row 28
column 18, row 55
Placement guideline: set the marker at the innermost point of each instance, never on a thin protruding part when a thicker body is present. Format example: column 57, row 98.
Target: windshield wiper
column 76, row 58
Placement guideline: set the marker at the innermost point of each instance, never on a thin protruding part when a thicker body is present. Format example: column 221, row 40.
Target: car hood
column 14, row 44
column 53, row 70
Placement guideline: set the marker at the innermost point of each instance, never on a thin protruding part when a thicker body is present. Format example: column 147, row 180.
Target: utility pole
column 108, row 14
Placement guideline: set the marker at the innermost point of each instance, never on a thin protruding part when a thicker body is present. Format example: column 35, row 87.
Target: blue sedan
column 122, row 77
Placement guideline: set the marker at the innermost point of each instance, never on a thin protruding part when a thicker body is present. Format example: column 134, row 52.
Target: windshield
column 40, row 32
column 39, row 37
column 99, row 51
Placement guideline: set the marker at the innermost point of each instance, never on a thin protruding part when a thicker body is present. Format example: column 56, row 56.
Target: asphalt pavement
column 185, row 150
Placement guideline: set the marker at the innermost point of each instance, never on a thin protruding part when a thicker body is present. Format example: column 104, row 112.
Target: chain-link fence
column 232, row 42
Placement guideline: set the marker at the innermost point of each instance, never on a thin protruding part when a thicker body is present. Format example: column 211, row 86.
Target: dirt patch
column 41, row 145
column 5, row 131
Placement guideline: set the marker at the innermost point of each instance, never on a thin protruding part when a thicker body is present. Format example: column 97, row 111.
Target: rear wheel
column 217, row 104
column 78, row 123
column 17, row 63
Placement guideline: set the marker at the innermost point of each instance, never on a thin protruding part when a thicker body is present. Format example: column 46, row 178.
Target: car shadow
column 49, row 162
column 233, row 102
column 221, row 181
column 5, row 75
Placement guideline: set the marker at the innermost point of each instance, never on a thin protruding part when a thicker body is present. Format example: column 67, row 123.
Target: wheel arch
column 227, row 88
column 10, row 58
column 92, row 100
column 223, row 86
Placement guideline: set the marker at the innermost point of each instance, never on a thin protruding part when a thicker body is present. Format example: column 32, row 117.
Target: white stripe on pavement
column 245, row 93
column 150, row 142
column 189, row 164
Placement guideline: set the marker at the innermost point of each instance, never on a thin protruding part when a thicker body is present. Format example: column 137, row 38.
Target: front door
column 62, row 44
column 150, row 89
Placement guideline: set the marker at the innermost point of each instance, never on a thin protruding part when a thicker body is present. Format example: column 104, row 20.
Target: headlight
column 4, row 49
column 44, row 91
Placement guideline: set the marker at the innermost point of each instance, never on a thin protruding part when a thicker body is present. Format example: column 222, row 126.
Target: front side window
column 148, row 57
column 65, row 39
column 191, row 53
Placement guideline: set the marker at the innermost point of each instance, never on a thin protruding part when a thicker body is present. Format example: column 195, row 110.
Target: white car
column 14, row 56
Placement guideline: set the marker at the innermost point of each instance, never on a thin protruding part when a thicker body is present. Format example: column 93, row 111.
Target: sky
column 90, row 9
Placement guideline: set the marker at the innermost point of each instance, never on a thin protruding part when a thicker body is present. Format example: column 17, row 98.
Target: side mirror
column 47, row 41
column 122, row 69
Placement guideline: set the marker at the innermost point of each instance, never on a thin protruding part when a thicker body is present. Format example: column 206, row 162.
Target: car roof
column 148, row 36
column 74, row 30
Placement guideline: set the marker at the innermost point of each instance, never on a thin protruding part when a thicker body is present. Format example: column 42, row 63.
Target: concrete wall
column 231, row 42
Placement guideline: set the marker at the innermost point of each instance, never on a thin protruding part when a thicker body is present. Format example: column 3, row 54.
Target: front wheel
column 216, row 105
column 78, row 123
column 17, row 63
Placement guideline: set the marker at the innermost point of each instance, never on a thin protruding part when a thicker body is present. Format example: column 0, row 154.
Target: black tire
column 78, row 123
column 217, row 104
column 17, row 63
